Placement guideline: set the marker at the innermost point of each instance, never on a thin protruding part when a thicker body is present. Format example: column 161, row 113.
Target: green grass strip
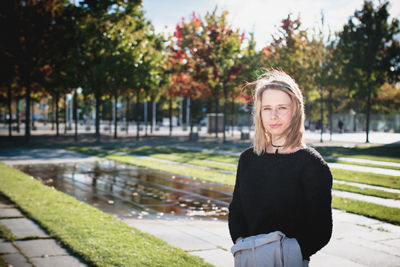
column 193, row 172
column 365, row 164
column 97, row 237
column 382, row 213
column 183, row 153
column 380, row 153
column 3, row 263
column 6, row 233
column 198, row 162
column 366, row 178
column 365, row 191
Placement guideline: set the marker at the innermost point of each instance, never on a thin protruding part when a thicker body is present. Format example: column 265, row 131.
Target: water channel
column 130, row 191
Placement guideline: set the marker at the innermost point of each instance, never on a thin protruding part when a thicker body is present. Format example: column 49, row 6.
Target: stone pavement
column 32, row 246
column 357, row 241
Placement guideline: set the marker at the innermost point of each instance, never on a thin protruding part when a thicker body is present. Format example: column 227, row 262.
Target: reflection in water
column 132, row 191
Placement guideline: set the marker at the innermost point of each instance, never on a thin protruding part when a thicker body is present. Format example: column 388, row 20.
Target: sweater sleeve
column 236, row 221
column 317, row 185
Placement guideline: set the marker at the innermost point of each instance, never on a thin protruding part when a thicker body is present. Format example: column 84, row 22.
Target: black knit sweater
column 286, row 192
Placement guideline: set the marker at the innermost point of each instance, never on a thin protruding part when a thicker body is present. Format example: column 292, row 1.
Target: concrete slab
column 357, row 253
column 393, row 243
column 41, row 248
column 7, row 247
column 376, row 246
column 18, row 156
column 172, row 232
column 327, row 260
column 359, row 168
column 23, row 227
column 217, row 257
column 59, row 261
column 16, row 260
column 10, row 212
column 357, row 241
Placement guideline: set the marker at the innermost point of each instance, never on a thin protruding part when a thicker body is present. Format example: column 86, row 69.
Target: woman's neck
column 278, row 141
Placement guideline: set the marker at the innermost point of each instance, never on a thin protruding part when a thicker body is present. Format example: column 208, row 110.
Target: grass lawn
column 383, row 213
column 194, row 172
column 2, row 262
column 365, row 164
column 365, row 191
column 366, row 178
column 98, row 238
column 182, row 153
column 380, row 153
column 6, row 233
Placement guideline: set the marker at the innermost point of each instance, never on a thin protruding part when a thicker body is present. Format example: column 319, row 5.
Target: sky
column 259, row 16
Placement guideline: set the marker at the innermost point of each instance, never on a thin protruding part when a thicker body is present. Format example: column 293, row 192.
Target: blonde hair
column 278, row 80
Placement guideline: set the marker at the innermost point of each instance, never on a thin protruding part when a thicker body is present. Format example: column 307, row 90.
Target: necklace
column 276, row 151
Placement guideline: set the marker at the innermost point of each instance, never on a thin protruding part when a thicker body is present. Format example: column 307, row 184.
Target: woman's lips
column 274, row 125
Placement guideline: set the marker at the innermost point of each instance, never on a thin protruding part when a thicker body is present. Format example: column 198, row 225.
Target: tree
column 252, row 63
column 24, row 25
column 320, row 68
column 206, row 58
column 99, row 43
column 63, row 69
column 188, row 70
column 221, row 53
column 289, row 51
column 370, row 53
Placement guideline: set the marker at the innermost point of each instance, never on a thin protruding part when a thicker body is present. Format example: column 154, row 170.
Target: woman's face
column 276, row 112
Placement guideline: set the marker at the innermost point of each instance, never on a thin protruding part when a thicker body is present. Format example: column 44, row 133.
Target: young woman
column 283, row 188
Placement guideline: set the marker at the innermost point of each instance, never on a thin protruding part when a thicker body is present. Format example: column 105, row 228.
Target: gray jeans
column 269, row 250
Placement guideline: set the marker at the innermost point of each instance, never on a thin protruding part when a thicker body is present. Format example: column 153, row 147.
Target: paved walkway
column 32, row 246
column 357, row 241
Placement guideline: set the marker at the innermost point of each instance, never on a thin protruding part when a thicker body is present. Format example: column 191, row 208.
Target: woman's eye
column 267, row 108
column 282, row 108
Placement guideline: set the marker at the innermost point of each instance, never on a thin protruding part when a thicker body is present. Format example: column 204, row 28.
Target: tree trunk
column 57, row 114
column 224, row 118
column 151, row 113
column 170, row 116
column 65, row 114
column 53, row 117
column 115, row 115
column 18, row 116
column 127, row 113
column 330, row 114
column 76, row 115
column 97, row 108
column 190, row 122
column 322, row 116
column 111, row 114
column 9, row 112
column 27, row 111
column 137, row 113
column 216, row 116
column 145, row 112
column 189, row 116
column 368, row 114
column 232, row 115
column 32, row 114
column 154, row 115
